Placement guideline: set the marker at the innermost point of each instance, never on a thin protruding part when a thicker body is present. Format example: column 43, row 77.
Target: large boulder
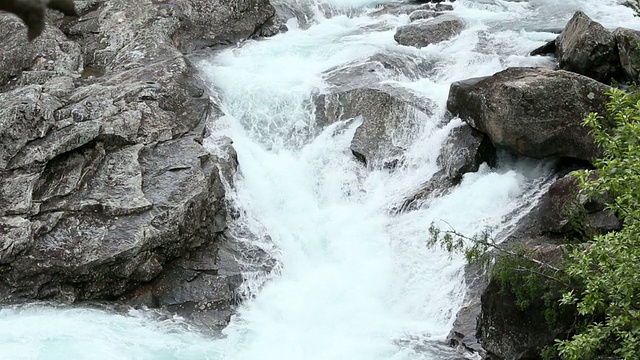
column 535, row 112
column 105, row 185
column 587, row 48
column 389, row 120
column 628, row 42
column 431, row 31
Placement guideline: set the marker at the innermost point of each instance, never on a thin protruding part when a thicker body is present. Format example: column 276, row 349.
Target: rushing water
column 353, row 278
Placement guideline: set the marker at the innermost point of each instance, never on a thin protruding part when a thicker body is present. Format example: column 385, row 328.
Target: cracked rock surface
column 105, row 187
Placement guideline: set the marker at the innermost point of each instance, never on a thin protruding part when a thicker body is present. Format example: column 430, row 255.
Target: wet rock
column 564, row 212
column 463, row 333
column 504, row 329
column 534, row 112
column 464, row 151
column 423, row 14
column 422, row 33
column 105, row 186
column 546, row 49
column 628, row 41
column 587, row 48
column 443, row 7
column 397, row 8
column 369, row 72
column 389, row 119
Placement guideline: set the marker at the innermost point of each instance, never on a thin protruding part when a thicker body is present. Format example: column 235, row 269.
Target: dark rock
column 423, row 33
column 463, row 332
column 443, row 7
column 386, row 119
column 32, row 13
column 564, row 208
column 506, row 330
column 464, row 151
column 587, row 48
column 534, row 112
column 628, row 41
column 548, row 48
column 104, row 183
column 509, row 332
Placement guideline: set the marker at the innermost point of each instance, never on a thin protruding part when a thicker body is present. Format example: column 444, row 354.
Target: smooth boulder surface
column 586, row 47
column 534, row 112
column 431, row 31
column 104, row 182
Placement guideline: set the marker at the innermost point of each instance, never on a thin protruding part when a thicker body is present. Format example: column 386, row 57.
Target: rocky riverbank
column 106, row 192
column 547, row 107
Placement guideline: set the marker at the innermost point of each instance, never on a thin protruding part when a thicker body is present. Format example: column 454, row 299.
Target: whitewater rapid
column 353, row 278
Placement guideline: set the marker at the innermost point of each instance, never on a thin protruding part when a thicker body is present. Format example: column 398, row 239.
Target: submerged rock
column 464, row 151
column 389, row 119
column 422, row 33
column 423, row 14
column 534, row 112
column 104, row 183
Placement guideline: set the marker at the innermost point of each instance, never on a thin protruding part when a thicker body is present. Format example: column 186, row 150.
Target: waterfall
column 350, row 278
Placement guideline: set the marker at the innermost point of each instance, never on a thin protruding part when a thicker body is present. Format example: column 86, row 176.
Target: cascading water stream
column 353, row 278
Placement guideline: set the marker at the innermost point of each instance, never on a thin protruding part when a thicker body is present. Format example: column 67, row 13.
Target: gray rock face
column 423, row 14
column 587, row 48
column 389, row 120
column 422, row 33
column 369, row 72
column 207, row 23
column 104, row 183
column 627, row 41
column 533, row 112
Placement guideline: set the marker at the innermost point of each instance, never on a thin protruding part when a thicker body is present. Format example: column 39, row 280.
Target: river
column 352, row 279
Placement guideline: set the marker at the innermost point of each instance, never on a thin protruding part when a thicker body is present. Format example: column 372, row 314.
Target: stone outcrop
column 431, row 31
column 627, row 41
column 389, row 118
column 104, row 183
column 534, row 112
column 587, row 48
column 491, row 316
